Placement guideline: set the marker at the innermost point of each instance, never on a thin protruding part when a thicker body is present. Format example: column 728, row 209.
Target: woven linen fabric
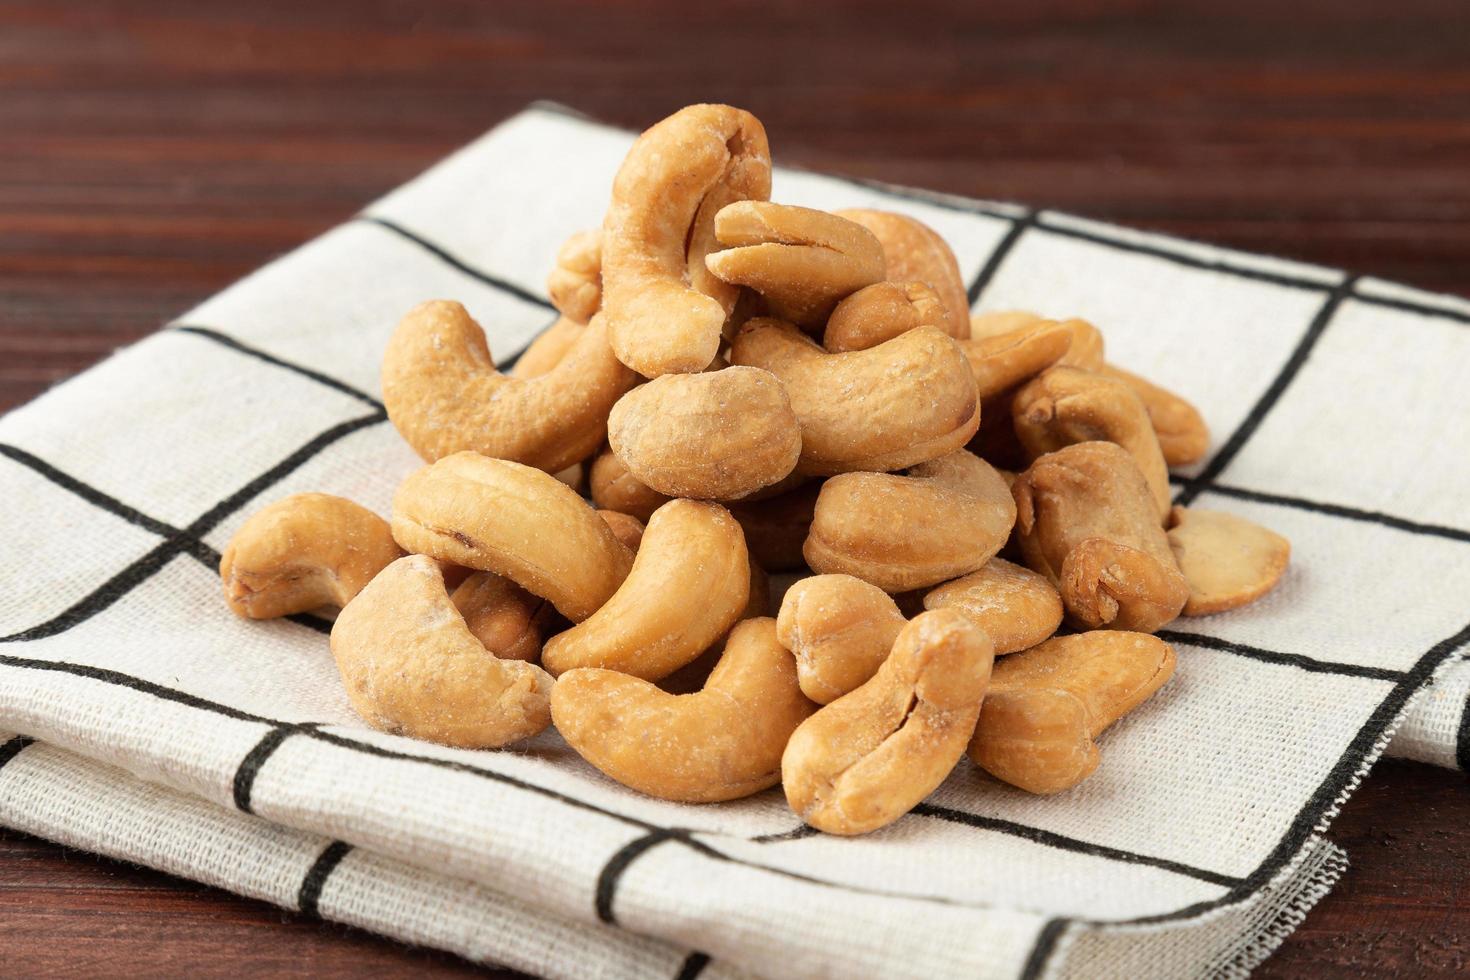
column 153, row 725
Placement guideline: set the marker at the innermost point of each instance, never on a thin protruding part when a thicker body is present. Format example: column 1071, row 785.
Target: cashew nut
column 1183, row 435
column 412, row 667
column 881, row 312
column 946, row 518
column 905, row 401
column 716, row 435
column 721, row 743
column 689, row 583
column 776, row 527
column 547, row 350
column 625, row 527
column 575, row 284
column 1067, row 405
column 869, row 757
column 444, row 395
column 1085, row 351
column 506, row 619
column 1046, row 706
column 914, row 252
column 1085, row 519
column 802, row 261
column 519, row 522
column 305, row 551
column 840, row 629
column 1227, row 560
column 665, row 311
column 1002, row 361
column 1015, row 605
column 614, row 488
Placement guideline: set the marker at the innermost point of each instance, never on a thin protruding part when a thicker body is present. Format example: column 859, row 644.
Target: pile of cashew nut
column 742, row 389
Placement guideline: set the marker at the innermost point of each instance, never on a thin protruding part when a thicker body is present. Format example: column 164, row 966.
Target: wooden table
column 151, row 151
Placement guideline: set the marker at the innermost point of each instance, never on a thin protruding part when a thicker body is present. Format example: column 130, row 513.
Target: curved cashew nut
column 519, row 522
column 1085, row 519
column 840, row 629
column 1085, row 351
column 776, row 527
column 872, row 755
column 721, row 743
column 690, row 582
column 881, row 312
column 905, row 401
column 305, row 551
column 1227, row 560
column 506, row 619
column 1183, row 435
column 802, row 261
column 718, row 435
column 1017, row 607
column 1046, row 706
column 945, row 518
column 412, row 667
column 1067, row 405
column 1002, row 361
column 444, row 395
column 548, row 349
column 575, row 283
column 665, row 311
column 914, row 252
column 613, row 487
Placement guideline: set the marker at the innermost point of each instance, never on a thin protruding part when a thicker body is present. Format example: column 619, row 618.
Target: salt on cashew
column 665, row 311
column 1066, row 405
column 881, row 312
column 506, row 619
column 498, row 516
column 412, row 667
column 945, row 518
column 547, row 350
column 908, row 400
column 721, row 743
column 777, row 527
column 303, row 552
column 914, row 252
column 800, row 260
column 1227, row 560
column 575, row 283
column 872, row 755
column 614, row 488
column 840, row 629
column 1086, row 519
column 718, row 435
column 1017, row 607
column 1046, row 707
column 1183, row 435
column 1002, row 361
column 689, row 583
column 444, row 395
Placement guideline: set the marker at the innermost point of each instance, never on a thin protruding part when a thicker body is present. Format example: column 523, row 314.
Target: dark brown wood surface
column 152, row 151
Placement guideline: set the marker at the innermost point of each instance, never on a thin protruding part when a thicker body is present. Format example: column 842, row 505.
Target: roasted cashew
column 914, row 252
column 946, row 518
column 1085, row 351
column 840, row 629
column 1183, row 435
column 412, row 667
column 1085, row 519
column 871, row 756
column 1227, row 560
column 776, row 527
column 718, row 435
column 721, row 743
column 502, row 517
column 444, row 395
column 625, row 527
column 575, row 284
column 1017, row 607
column 1066, row 405
column 905, row 401
column 690, row 582
column 1046, row 706
column 303, row 552
column 547, row 350
column 665, row 311
column 506, row 619
column 1002, row 361
column 800, row 260
column 881, row 312
column 614, row 488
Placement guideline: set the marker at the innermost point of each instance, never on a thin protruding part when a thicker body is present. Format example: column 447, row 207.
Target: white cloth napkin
column 154, row 726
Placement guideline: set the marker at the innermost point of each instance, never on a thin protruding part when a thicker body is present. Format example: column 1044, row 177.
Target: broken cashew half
column 914, row 252
column 1227, row 560
column 840, row 629
column 1016, row 606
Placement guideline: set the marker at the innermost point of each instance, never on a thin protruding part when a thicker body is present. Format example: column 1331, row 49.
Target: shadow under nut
column 444, row 395
column 665, row 311
column 718, row 435
column 776, row 527
column 914, row 252
column 412, row 667
column 840, row 629
column 872, row 755
column 945, row 518
column 720, row 743
column 689, row 583
column 902, row 402
column 303, row 552
column 497, row 516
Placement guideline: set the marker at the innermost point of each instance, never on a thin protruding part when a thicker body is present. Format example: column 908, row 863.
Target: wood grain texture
column 152, row 151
